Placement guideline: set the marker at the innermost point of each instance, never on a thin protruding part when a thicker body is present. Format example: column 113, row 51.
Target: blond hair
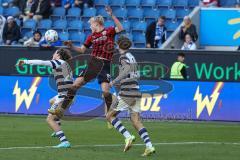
column 99, row 19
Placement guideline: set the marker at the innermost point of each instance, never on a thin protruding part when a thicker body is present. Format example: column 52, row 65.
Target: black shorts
column 97, row 68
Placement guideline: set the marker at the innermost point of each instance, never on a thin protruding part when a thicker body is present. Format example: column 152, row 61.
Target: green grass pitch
column 92, row 140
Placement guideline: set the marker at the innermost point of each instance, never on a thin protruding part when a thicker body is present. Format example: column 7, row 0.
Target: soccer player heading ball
column 102, row 42
column 128, row 97
column 64, row 80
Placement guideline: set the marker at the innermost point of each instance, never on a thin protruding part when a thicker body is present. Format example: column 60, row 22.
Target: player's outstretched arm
column 119, row 27
column 53, row 63
column 70, row 45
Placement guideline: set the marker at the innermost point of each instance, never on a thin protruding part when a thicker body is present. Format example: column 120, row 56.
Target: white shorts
column 56, row 100
column 121, row 105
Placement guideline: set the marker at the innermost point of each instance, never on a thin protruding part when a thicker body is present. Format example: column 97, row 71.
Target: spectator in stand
column 83, row 3
column 67, row 3
column 188, row 28
column 24, row 6
column 156, row 33
column 56, row 3
column 189, row 44
column 35, row 40
column 11, row 32
column 45, row 44
column 41, row 9
column 237, row 4
column 208, row 3
column 2, row 24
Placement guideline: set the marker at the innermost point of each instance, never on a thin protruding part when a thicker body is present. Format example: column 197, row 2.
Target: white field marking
column 118, row 145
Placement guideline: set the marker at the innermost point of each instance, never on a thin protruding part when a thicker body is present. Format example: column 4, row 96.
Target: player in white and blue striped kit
column 128, row 98
column 64, row 80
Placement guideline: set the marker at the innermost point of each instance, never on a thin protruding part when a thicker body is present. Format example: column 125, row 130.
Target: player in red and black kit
column 102, row 42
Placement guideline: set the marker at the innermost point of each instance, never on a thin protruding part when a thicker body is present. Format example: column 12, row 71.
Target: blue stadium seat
column 29, row 25
column 60, row 25
column 181, row 13
column 119, row 3
column 101, row 2
column 1, row 10
column 126, row 25
column 151, row 14
column 135, row 13
column 77, row 38
column 172, row 25
column 121, row 13
column 73, row 13
column 27, row 34
column 148, row 3
column 89, row 12
column 164, row 3
column 180, row 3
column 45, row 23
column 227, row 3
column 193, row 3
column 169, row 13
column 102, row 12
column 132, row 3
column 75, row 26
column 109, row 23
column 12, row 11
column 139, row 26
column 139, row 40
column 58, row 13
column 64, row 36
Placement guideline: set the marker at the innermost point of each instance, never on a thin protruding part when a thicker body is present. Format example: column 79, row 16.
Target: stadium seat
column 77, row 38
column 132, row 3
column 73, row 13
column 139, row 40
column 75, row 26
column 181, row 13
column 164, row 3
column 135, row 13
column 1, row 10
column 126, row 25
column 172, row 25
column 120, row 13
column 193, row 3
column 148, row 3
column 118, row 3
column 88, row 12
column 101, row 2
column 180, row 3
column 151, row 15
column 45, row 24
column 227, row 3
column 12, row 11
column 29, row 25
column 139, row 26
column 102, row 12
column 169, row 13
column 58, row 13
column 26, row 34
column 109, row 23
column 64, row 36
column 60, row 25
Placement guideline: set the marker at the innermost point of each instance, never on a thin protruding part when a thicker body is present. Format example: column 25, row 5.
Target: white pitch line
column 118, row 145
